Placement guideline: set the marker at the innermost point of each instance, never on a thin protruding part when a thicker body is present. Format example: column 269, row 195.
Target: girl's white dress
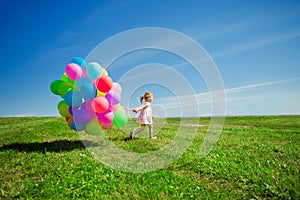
column 145, row 116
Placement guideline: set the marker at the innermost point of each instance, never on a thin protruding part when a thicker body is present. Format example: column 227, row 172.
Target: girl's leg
column 137, row 130
column 151, row 131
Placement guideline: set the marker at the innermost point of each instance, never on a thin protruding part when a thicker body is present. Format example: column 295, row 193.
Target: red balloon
column 104, row 84
column 100, row 104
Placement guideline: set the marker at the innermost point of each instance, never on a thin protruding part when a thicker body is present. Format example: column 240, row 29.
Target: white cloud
column 249, row 45
column 27, row 114
column 262, row 98
column 247, row 87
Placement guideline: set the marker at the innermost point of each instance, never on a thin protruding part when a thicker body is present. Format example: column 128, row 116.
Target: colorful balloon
column 91, row 100
column 88, row 106
column 113, row 98
column 94, row 70
column 120, row 117
column 55, row 85
column 86, row 88
column 100, row 94
column 106, row 117
column 72, row 110
column 79, row 61
column 76, row 126
column 82, row 116
column 116, row 87
column 64, row 88
column 82, row 81
column 84, row 74
column 114, row 107
column 68, row 118
column 100, row 105
column 104, row 72
column 63, row 109
column 93, row 127
column 69, row 121
column 66, row 79
column 107, row 126
column 73, row 99
column 104, row 83
column 73, row 71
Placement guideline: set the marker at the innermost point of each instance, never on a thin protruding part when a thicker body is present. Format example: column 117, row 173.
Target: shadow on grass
column 54, row 146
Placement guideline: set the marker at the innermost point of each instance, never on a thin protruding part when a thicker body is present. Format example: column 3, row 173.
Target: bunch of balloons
column 91, row 100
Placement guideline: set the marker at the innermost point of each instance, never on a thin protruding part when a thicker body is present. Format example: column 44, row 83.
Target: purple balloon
column 72, row 110
column 113, row 98
column 88, row 106
column 82, row 116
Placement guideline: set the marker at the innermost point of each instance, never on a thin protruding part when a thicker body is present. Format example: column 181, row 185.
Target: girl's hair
column 146, row 96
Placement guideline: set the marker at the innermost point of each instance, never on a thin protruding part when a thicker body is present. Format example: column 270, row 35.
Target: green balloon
column 63, row 109
column 120, row 117
column 64, row 88
column 65, row 78
column 60, row 104
column 93, row 127
column 55, row 85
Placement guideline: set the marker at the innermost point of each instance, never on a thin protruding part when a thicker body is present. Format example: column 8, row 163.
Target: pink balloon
column 114, row 107
column 73, row 71
column 116, row 87
column 100, row 104
column 84, row 74
column 106, row 117
column 107, row 126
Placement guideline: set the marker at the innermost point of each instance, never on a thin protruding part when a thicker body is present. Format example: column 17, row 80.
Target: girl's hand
column 140, row 108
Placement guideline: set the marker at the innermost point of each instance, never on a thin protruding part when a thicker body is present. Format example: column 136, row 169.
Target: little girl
column 145, row 116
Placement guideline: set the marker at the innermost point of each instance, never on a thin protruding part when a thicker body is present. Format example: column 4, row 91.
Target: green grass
column 255, row 157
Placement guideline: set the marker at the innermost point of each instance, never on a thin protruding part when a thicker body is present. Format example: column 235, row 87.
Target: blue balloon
column 94, row 70
column 88, row 92
column 73, row 99
column 82, row 81
column 86, row 88
column 77, row 127
column 79, row 61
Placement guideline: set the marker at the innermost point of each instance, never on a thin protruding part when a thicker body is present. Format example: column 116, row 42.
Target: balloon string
column 132, row 114
column 127, row 108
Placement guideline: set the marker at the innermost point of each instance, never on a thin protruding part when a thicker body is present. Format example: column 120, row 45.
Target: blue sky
column 254, row 44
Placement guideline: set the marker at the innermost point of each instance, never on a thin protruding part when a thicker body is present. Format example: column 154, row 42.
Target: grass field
column 255, row 157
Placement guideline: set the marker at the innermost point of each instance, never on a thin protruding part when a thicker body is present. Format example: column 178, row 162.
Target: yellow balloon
column 104, row 72
column 101, row 94
column 63, row 109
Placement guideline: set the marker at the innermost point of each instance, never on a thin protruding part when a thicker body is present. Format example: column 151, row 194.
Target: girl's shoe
column 131, row 135
column 154, row 138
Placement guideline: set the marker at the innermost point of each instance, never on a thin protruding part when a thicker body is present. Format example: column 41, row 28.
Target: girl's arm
column 140, row 108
